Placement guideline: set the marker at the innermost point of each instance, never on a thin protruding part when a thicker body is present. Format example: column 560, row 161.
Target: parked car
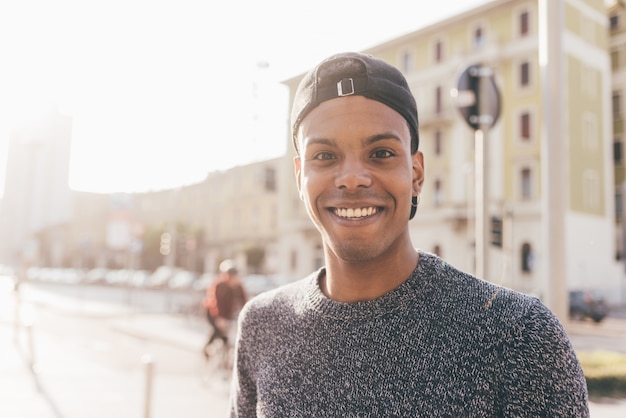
column 96, row 275
column 585, row 304
column 161, row 276
column 182, row 279
column 119, row 277
column 139, row 278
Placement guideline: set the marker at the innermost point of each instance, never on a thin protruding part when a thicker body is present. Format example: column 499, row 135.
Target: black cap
column 354, row 73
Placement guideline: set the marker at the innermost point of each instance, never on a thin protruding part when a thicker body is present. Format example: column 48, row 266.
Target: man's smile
column 356, row 213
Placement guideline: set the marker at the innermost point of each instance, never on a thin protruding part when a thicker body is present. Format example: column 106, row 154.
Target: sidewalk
column 55, row 392
column 68, row 381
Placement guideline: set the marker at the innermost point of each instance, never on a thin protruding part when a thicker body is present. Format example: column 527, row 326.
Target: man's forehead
column 367, row 119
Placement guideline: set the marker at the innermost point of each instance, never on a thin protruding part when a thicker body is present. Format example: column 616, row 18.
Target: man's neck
column 354, row 282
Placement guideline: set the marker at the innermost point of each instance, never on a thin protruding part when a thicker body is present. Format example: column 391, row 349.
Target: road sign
column 469, row 94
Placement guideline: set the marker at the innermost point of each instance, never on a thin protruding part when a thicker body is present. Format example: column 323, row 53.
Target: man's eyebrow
column 320, row 141
column 381, row 137
column 367, row 141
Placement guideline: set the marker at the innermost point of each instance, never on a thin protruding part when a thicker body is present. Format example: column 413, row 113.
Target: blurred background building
column 37, row 202
column 253, row 213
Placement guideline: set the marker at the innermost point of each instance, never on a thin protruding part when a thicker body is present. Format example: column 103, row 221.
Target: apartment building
column 551, row 193
column 231, row 214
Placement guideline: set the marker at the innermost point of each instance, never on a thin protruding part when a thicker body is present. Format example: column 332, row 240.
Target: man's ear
column 297, row 165
column 418, row 171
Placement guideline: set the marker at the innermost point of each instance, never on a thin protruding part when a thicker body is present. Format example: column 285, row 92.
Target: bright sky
column 164, row 91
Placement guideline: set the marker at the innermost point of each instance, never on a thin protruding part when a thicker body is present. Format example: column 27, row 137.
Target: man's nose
column 352, row 174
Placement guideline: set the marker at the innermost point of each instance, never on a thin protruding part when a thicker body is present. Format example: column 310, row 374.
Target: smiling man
column 385, row 329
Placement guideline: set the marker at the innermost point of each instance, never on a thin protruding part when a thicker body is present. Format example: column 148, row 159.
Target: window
column 617, row 105
column 438, row 142
column 614, row 22
column 524, row 74
column 479, row 37
column 438, row 51
column 270, row 179
column 496, row 231
column 527, row 257
column 617, row 151
column 524, row 123
column 407, row 62
column 525, row 184
column 438, row 194
column 523, row 23
column 438, row 102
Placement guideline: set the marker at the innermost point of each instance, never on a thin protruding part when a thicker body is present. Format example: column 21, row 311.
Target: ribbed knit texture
column 442, row 344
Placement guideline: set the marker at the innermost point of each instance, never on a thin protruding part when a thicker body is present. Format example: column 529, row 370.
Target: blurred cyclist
column 223, row 300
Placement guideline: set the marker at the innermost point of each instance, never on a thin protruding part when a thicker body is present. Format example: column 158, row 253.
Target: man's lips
column 356, row 213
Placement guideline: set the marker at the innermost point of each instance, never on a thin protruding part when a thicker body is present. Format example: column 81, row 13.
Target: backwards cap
column 353, row 73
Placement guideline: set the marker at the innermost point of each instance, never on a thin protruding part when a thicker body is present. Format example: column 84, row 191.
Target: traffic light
column 166, row 243
column 496, row 231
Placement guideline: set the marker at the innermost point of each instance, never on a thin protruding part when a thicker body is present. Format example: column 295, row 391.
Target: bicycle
column 219, row 355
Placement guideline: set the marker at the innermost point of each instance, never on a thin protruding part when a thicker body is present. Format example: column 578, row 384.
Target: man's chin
column 355, row 253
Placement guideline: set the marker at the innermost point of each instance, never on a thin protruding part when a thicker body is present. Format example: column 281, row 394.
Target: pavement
column 48, row 389
column 44, row 375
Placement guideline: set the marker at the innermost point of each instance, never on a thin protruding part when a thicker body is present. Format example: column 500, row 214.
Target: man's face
column 356, row 176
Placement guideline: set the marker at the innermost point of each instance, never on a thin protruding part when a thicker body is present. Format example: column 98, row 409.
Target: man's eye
column 382, row 153
column 323, row 156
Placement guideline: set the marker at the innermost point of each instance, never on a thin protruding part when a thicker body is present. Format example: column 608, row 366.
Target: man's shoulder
column 476, row 294
column 282, row 297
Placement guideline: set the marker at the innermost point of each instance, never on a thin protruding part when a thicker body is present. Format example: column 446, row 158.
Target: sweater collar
column 397, row 299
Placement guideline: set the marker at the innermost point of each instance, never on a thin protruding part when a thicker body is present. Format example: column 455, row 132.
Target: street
column 90, row 352
column 609, row 335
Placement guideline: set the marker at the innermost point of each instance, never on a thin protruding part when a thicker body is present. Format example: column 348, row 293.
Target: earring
column 415, row 202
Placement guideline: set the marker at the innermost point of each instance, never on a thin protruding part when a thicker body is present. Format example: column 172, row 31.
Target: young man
column 385, row 329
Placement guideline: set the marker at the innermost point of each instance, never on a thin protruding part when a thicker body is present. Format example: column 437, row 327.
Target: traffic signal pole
column 478, row 100
column 481, row 161
column 481, row 223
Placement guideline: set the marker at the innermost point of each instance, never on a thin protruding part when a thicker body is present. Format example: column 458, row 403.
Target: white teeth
column 355, row 213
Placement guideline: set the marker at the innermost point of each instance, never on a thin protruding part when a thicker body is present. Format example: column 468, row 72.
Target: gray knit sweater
column 442, row 344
